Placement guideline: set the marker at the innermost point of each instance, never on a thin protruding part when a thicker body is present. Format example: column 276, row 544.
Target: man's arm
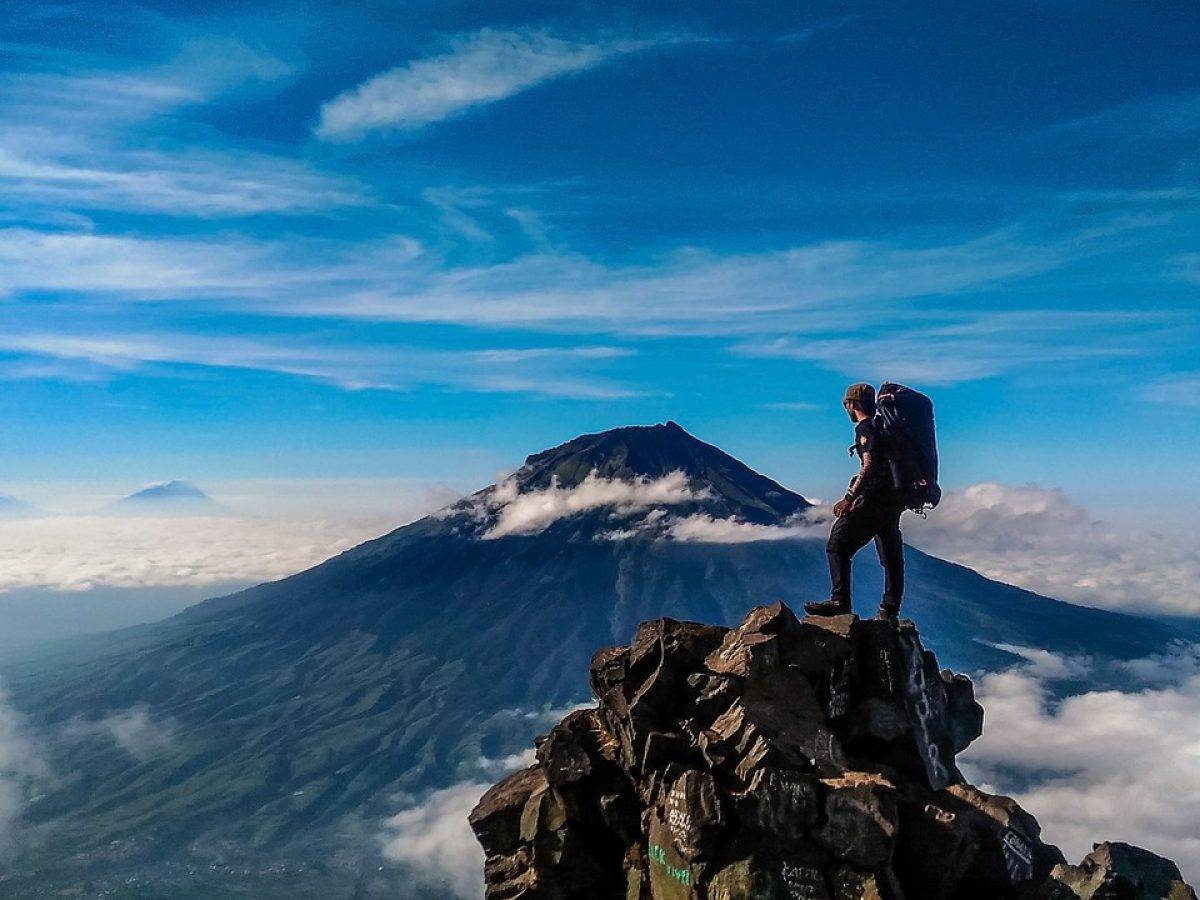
column 847, row 503
column 869, row 462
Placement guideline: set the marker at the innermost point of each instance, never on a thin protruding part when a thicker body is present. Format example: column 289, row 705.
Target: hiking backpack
column 905, row 418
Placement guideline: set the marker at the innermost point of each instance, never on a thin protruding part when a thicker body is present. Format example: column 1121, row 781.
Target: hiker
column 870, row 510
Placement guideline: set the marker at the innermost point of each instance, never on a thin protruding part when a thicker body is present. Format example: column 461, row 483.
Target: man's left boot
column 888, row 613
column 827, row 608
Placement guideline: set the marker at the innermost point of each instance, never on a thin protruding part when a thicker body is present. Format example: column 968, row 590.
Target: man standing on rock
column 871, row 509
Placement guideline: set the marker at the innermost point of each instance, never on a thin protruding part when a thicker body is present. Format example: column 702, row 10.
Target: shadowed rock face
column 783, row 758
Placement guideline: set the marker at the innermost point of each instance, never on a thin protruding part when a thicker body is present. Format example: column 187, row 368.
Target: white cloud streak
column 524, row 513
column 196, row 182
column 474, row 70
column 1103, row 765
column 968, row 347
column 705, row 529
column 1179, row 391
column 1038, row 539
column 814, row 291
column 547, row 371
column 1145, row 121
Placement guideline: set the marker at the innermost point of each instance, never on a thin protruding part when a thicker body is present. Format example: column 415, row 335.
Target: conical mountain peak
column 171, row 497
column 651, row 452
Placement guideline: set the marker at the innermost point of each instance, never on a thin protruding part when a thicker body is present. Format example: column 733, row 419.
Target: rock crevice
column 810, row 759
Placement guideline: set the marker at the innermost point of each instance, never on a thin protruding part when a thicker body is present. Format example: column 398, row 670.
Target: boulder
column 860, row 819
column 496, row 819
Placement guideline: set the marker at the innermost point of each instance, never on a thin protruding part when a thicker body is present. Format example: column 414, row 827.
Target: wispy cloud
column 1182, row 390
column 94, row 135
column 397, row 279
column 805, row 303
column 695, row 292
column 1147, row 120
column 472, row 70
column 195, row 182
column 545, row 371
column 953, row 347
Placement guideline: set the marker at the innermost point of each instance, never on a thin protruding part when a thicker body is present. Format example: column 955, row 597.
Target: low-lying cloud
column 1038, row 539
column 430, row 834
column 21, row 768
column 705, row 529
column 530, row 512
column 1102, row 765
column 134, row 730
column 434, row 840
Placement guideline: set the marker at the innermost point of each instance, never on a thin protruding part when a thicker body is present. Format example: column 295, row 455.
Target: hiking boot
column 888, row 613
column 827, row 608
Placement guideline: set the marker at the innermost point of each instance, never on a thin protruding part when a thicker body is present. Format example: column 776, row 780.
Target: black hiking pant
column 877, row 519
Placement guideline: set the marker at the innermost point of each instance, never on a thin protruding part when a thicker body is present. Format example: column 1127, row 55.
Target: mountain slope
column 299, row 709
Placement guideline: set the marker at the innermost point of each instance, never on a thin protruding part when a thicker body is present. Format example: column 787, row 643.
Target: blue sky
column 316, row 242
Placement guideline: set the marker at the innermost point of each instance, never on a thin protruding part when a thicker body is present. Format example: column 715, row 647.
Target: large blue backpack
column 905, row 418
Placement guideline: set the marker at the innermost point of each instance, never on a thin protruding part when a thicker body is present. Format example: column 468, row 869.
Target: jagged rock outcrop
column 785, row 758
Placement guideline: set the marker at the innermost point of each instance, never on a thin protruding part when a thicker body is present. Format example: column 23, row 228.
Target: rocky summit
column 784, row 758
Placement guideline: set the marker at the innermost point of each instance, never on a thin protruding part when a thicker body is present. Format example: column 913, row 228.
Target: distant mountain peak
column 175, row 496
column 15, row 508
column 654, row 452
column 175, row 488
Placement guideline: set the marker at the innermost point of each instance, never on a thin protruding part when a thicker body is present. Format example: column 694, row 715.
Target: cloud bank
column 1038, row 539
column 75, row 553
column 1103, row 765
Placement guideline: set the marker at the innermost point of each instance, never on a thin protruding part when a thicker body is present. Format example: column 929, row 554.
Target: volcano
column 291, row 716
column 171, row 498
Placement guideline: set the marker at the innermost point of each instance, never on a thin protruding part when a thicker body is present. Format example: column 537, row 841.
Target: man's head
column 859, row 401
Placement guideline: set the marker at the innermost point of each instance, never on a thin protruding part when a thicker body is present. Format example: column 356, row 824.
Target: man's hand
column 841, row 508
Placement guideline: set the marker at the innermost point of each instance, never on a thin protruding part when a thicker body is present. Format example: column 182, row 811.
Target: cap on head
column 861, row 393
